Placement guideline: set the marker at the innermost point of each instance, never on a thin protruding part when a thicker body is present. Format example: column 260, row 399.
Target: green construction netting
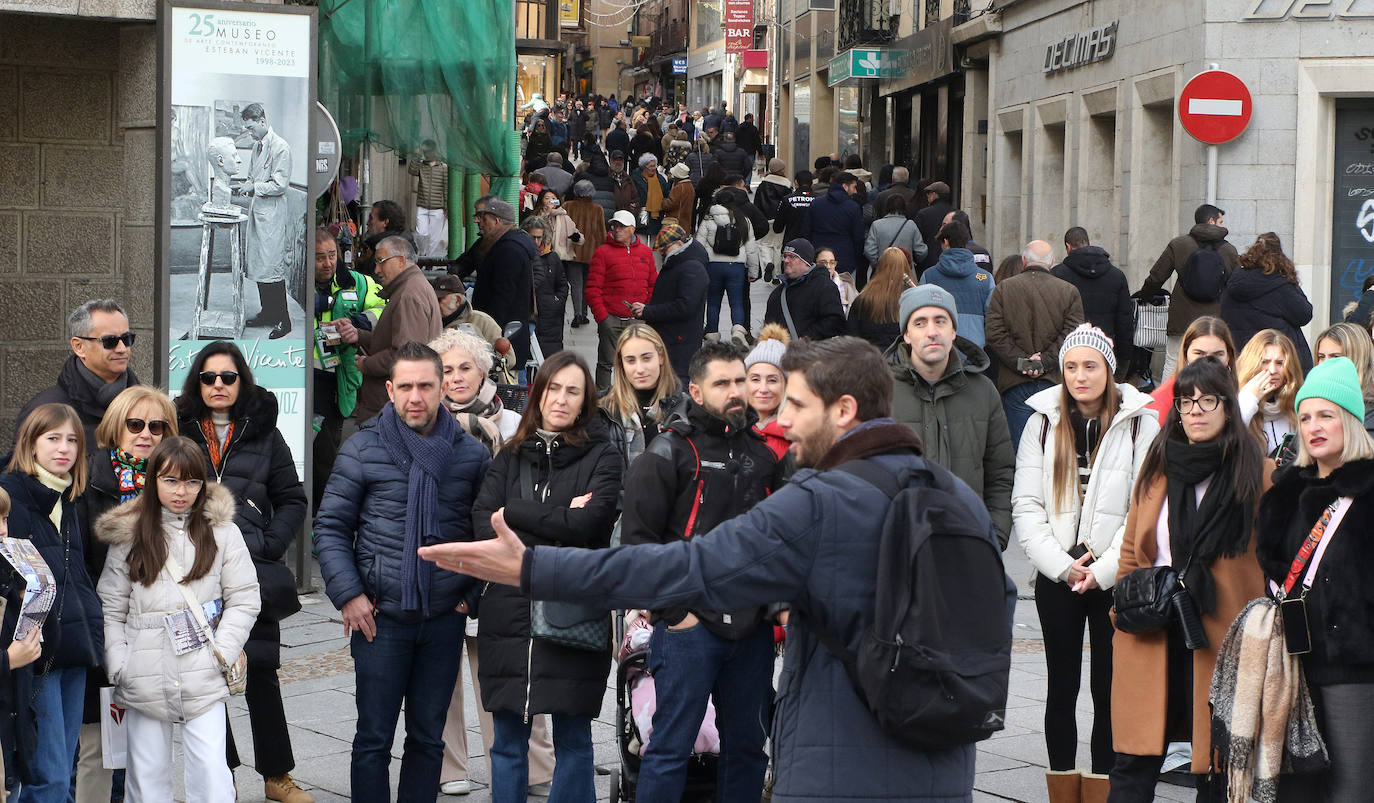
column 399, row 72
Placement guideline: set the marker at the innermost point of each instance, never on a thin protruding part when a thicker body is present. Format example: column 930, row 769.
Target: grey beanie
column 1088, row 335
column 927, row 295
column 766, row 350
column 584, row 189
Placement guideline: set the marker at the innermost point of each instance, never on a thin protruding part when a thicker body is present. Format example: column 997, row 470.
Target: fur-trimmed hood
column 117, row 526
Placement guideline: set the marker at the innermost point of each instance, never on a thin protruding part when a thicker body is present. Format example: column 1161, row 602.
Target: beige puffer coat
column 148, row 675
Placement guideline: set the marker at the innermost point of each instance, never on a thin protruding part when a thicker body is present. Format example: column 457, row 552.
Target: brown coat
column 1140, row 662
column 590, row 219
column 411, row 313
column 1182, row 309
column 1031, row 312
column 679, row 204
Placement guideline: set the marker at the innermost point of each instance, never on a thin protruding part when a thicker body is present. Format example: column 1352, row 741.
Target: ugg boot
column 1094, row 788
column 1064, row 786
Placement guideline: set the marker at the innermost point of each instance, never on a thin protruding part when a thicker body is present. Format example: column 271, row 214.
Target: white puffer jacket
column 706, row 235
column 148, row 675
column 1047, row 537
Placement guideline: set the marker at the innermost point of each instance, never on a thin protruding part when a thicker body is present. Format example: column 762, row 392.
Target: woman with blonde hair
column 1353, row 341
column 1270, row 377
column 873, row 315
column 641, row 382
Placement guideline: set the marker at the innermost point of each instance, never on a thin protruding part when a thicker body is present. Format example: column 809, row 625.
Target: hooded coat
column 1047, row 533
column 961, row 423
column 836, row 222
column 1183, row 310
column 258, row 469
column 1106, row 295
column 733, row 158
column 1255, row 300
column 718, row 217
column 971, row 286
column 769, row 194
column 147, row 674
column 678, row 305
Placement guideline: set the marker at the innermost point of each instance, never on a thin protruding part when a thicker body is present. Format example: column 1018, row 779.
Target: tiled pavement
column 317, row 685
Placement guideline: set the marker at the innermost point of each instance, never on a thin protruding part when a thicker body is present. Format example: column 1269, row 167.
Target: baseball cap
column 623, row 218
column 447, row 285
column 617, row 154
column 501, row 209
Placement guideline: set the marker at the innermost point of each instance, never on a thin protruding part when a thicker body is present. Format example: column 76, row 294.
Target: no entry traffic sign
column 1214, row 107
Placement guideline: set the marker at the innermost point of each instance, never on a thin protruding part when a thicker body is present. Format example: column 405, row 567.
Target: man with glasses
column 411, row 314
column 807, row 303
column 97, row 370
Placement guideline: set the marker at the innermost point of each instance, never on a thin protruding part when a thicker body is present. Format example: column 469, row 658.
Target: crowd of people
column 1229, row 497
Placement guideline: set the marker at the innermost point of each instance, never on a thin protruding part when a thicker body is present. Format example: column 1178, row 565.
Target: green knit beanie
column 1336, row 380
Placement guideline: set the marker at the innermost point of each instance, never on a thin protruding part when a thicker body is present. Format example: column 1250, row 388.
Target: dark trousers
column 329, row 437
column 689, row 666
column 415, row 663
column 1134, row 779
column 577, row 278
column 1063, row 613
column 272, row 754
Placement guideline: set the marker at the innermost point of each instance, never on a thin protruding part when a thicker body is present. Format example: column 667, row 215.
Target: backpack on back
column 935, row 665
column 728, row 239
column 1204, row 275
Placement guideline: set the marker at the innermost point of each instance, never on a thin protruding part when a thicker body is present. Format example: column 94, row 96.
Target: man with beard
column 812, row 544
column 706, row 466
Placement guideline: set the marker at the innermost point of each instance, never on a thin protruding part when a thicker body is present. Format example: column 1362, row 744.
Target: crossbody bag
column 236, row 673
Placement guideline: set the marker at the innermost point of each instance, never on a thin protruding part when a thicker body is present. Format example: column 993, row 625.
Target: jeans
column 1018, row 412
column 688, row 666
column 726, row 277
column 61, row 694
column 574, row 769
column 1063, row 612
column 418, row 663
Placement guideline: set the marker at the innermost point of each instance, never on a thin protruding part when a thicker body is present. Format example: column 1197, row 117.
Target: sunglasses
column 111, row 341
column 135, row 426
column 207, row 378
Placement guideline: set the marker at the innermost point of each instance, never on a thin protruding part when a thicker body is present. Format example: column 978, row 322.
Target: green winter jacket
column 961, row 423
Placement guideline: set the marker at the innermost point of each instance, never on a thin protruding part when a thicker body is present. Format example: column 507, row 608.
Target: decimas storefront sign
column 739, row 25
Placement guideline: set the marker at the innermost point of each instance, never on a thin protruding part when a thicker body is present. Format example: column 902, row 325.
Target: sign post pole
column 1212, row 175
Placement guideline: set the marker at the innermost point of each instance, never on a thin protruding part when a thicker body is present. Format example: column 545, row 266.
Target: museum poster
column 236, row 226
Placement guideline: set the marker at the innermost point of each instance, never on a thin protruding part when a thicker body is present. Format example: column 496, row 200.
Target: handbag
column 277, row 586
column 1145, row 600
column 236, row 673
column 1152, row 322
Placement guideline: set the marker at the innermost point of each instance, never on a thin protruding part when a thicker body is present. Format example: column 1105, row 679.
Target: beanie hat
column 927, row 295
column 1336, row 380
column 776, row 166
column 1088, row 335
column 803, row 249
column 669, row 234
column 771, row 344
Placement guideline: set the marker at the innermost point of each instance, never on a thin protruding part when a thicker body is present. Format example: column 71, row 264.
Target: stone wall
column 78, row 158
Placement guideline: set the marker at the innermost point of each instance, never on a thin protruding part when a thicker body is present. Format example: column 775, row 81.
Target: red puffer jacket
column 618, row 274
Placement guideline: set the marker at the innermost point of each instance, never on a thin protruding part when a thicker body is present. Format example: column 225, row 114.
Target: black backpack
column 728, row 240
column 935, row 664
column 1204, row 274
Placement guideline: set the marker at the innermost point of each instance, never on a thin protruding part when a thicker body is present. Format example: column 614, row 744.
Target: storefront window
column 847, row 115
column 708, row 22
column 536, row 73
column 801, row 124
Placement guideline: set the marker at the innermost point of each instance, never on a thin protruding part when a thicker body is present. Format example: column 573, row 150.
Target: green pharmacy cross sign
column 863, row 62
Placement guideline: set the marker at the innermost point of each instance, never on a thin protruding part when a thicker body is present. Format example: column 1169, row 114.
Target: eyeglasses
column 1206, row 403
column 478, row 215
column 207, row 378
column 135, row 425
column 110, row 341
column 385, row 260
column 174, row 484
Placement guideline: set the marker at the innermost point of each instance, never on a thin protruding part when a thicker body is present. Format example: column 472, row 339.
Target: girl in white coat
column 183, row 533
column 1075, row 468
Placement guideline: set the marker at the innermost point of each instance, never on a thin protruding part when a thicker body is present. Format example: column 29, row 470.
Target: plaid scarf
column 130, row 471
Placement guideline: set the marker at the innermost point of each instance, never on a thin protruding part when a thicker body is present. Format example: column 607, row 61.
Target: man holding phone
column 1028, row 316
column 621, row 275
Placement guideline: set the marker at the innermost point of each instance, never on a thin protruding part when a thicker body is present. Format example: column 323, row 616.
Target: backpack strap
column 787, row 315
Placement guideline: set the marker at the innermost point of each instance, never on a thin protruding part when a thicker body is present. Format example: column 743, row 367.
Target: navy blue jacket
column 1106, row 295
column 836, row 222
column 1255, row 300
column 679, row 301
column 812, row 544
column 971, row 286
column 74, row 632
column 360, row 528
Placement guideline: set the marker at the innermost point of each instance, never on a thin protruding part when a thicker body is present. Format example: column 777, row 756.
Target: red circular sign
column 1214, row 107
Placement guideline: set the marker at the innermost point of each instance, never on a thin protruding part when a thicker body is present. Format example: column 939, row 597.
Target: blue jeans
column 574, row 769
column 417, row 663
column 1018, row 412
column 726, row 277
column 688, row 666
column 57, row 706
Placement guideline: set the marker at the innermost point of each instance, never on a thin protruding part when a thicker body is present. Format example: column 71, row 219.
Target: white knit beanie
column 1088, row 335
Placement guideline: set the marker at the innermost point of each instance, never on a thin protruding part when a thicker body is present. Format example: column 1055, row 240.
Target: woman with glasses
column 134, row 424
column 175, row 541
column 45, row 476
column 235, row 424
column 843, row 281
column 1193, row 509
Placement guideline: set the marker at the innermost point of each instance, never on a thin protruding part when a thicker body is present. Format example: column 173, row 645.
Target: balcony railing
column 667, row 40
column 863, row 22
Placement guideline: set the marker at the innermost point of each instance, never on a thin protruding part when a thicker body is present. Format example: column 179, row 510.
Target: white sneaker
column 456, row 787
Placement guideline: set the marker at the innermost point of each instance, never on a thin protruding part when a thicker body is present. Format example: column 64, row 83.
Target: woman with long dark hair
column 1075, row 469
column 234, row 421
column 873, row 315
column 177, row 540
column 558, row 482
column 1193, row 509
column 1264, row 293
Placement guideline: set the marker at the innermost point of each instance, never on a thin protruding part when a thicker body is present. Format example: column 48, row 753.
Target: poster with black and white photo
column 237, row 217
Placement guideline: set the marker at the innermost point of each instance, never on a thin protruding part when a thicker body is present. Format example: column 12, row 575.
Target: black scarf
column 1219, row 528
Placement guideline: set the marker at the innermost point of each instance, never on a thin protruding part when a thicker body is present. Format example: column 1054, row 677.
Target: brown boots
column 282, row 788
column 1095, row 788
column 1075, row 786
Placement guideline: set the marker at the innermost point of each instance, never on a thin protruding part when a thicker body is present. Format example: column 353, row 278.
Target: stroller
column 632, row 672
